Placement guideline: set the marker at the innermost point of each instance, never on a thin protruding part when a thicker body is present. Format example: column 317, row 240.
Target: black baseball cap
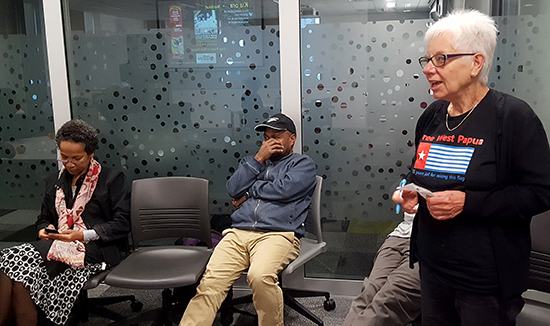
column 278, row 121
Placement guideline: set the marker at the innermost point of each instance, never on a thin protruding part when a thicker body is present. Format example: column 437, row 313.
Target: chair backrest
column 539, row 271
column 170, row 207
column 313, row 220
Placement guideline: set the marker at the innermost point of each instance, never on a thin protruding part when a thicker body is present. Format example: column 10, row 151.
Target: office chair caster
column 329, row 304
column 136, row 305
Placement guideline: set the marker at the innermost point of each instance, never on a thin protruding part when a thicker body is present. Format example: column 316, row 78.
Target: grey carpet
column 152, row 299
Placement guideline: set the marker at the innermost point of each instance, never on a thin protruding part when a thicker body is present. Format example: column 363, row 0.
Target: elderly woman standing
column 82, row 227
column 485, row 156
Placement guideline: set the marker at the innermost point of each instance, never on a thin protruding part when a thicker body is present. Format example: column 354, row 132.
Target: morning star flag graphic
column 443, row 158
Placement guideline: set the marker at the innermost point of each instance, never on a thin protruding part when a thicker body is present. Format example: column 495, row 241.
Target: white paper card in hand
column 420, row 190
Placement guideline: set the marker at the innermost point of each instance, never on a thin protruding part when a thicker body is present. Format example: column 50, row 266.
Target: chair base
column 228, row 307
column 159, row 317
column 289, row 296
column 96, row 306
column 167, row 315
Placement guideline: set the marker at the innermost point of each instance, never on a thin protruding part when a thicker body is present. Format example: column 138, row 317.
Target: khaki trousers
column 390, row 296
column 265, row 255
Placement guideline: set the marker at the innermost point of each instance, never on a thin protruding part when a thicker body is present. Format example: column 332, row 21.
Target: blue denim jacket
column 279, row 193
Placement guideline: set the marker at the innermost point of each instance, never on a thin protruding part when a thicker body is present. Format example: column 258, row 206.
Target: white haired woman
column 485, row 156
column 82, row 227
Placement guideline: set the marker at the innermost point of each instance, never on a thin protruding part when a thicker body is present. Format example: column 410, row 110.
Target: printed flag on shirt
column 443, row 158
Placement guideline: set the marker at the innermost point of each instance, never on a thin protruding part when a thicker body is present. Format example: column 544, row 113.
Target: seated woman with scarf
column 82, row 227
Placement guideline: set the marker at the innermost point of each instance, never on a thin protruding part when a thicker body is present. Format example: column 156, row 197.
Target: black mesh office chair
column 310, row 246
column 535, row 312
column 165, row 207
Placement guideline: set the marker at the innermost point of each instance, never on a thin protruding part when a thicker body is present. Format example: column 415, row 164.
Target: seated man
column 273, row 191
column 390, row 296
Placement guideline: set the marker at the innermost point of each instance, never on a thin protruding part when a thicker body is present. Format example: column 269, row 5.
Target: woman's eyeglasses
column 81, row 161
column 439, row 60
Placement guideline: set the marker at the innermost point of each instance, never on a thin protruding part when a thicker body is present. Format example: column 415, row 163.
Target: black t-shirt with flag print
column 459, row 249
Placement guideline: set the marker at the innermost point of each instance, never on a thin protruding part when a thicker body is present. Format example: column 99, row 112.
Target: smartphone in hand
column 51, row 230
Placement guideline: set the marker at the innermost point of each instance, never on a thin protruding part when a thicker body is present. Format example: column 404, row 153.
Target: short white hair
column 472, row 31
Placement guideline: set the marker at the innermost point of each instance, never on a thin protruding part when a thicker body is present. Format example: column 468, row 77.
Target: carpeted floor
column 152, row 299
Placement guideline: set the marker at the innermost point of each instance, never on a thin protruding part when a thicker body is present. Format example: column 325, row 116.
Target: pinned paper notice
column 420, row 190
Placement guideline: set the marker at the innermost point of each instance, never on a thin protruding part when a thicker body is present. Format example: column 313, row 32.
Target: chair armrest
column 309, row 249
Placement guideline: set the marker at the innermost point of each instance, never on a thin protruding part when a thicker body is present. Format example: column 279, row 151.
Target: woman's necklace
column 458, row 125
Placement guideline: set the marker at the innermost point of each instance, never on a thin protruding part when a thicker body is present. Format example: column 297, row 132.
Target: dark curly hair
column 78, row 131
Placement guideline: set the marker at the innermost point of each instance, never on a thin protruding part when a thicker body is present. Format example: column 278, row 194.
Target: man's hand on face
column 269, row 147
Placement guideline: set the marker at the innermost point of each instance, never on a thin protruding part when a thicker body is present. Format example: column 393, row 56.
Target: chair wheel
column 136, row 305
column 329, row 304
column 226, row 317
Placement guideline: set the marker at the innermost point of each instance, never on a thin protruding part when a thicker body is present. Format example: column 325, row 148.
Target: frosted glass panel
column 176, row 88
column 363, row 92
column 27, row 149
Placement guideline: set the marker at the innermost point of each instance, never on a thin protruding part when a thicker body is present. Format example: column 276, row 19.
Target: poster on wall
column 205, row 23
column 210, row 33
column 176, row 33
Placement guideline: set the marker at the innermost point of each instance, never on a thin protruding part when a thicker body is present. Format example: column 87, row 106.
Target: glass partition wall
column 27, row 148
column 363, row 91
column 175, row 88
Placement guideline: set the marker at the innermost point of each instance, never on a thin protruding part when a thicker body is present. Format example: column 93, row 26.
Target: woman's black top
column 107, row 212
column 499, row 156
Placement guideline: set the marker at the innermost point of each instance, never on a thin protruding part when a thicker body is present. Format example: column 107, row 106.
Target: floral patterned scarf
column 73, row 253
